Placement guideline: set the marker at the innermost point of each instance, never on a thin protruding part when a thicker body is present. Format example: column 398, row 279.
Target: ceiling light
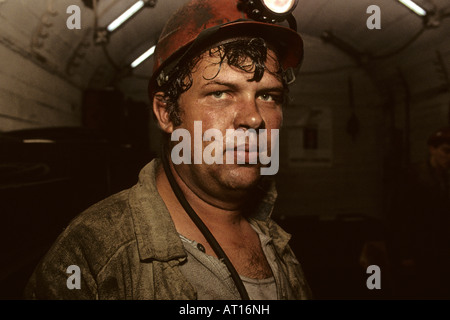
column 125, row 16
column 414, row 7
column 38, row 141
column 143, row 57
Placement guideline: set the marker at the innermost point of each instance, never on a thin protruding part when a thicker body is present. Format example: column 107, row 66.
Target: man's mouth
column 244, row 153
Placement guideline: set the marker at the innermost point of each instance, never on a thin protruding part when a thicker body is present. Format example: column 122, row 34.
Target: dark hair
column 234, row 53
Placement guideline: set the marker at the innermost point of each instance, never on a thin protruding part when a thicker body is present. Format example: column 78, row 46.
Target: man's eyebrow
column 221, row 83
column 277, row 88
column 273, row 89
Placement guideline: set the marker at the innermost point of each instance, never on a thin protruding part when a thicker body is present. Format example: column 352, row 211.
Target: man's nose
column 248, row 115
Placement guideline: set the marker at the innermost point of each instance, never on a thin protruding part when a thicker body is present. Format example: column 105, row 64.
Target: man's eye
column 218, row 94
column 266, row 97
column 271, row 98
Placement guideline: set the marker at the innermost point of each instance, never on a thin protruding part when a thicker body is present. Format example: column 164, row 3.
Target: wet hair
column 235, row 53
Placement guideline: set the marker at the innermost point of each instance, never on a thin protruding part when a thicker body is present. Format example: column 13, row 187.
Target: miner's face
column 224, row 99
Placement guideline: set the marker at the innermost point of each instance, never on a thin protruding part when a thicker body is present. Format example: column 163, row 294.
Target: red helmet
column 200, row 21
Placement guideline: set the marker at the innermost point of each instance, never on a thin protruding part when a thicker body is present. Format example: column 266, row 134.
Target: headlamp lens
column 279, row 6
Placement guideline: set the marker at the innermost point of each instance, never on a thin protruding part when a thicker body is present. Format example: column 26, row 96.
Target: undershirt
column 212, row 280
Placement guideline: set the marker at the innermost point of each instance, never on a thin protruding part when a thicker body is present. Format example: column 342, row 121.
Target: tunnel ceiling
column 37, row 29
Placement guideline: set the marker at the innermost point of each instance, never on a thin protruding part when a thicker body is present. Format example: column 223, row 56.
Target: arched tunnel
column 76, row 126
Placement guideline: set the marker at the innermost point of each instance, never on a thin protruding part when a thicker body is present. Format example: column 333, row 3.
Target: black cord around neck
column 203, row 228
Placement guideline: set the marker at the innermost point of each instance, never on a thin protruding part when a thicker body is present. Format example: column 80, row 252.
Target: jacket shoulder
column 89, row 241
column 104, row 226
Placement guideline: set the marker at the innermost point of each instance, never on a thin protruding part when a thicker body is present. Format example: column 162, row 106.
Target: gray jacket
column 127, row 247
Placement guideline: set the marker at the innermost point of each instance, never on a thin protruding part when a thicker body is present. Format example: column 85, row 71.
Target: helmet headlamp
column 271, row 11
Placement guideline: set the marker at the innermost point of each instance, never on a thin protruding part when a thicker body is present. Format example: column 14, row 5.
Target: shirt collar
column 155, row 231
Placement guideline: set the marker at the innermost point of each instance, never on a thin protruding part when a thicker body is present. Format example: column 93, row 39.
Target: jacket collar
column 155, row 231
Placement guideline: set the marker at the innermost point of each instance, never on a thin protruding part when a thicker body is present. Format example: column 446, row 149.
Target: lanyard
column 203, row 228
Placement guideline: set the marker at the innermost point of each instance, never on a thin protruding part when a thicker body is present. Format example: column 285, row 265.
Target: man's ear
column 160, row 110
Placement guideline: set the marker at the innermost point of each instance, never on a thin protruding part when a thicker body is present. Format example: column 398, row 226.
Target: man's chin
column 243, row 177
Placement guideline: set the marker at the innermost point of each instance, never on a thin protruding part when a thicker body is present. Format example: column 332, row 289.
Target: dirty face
column 224, row 99
column 440, row 156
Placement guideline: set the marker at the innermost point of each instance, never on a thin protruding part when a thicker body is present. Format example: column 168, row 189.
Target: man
column 421, row 219
column 191, row 229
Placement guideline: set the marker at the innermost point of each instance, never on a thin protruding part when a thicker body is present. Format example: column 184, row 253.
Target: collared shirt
column 127, row 247
column 212, row 280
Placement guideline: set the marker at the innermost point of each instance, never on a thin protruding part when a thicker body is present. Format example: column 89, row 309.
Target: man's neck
column 214, row 216
column 228, row 226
